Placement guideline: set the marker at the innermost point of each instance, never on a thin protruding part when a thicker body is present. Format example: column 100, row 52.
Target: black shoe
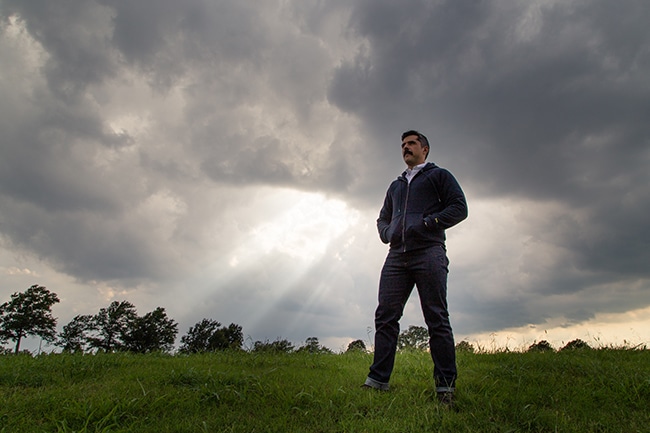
column 366, row 386
column 446, row 398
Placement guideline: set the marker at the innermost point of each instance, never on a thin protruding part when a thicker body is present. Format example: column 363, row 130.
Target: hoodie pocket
column 394, row 232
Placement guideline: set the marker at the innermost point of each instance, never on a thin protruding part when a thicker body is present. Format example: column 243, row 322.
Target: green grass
column 604, row 390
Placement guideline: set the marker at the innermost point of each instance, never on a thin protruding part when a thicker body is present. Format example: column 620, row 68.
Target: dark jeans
column 427, row 269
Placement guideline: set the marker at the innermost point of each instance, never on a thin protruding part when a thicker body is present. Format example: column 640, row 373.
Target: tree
column 208, row 336
column 312, row 345
column 356, row 346
column 112, row 325
column 415, row 337
column 231, row 337
column 465, row 346
column 197, row 339
column 151, row 333
column 28, row 313
column 73, row 338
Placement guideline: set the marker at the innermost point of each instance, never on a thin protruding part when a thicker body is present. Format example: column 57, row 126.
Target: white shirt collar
column 410, row 172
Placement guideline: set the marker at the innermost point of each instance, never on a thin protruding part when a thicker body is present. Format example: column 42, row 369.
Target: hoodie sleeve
column 454, row 208
column 385, row 217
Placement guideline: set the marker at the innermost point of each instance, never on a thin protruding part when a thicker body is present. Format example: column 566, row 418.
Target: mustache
column 407, row 152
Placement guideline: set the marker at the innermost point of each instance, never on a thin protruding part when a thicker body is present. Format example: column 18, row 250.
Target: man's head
column 415, row 148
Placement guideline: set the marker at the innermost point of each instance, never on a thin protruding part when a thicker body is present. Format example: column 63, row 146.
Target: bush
column 575, row 345
column 542, row 346
column 277, row 346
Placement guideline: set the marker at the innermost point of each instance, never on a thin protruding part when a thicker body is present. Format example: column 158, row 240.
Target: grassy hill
column 605, row 390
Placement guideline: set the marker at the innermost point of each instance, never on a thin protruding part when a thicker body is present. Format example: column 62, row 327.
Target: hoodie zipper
column 406, row 202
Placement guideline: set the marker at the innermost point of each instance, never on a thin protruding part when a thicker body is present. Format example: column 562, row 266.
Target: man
column 420, row 205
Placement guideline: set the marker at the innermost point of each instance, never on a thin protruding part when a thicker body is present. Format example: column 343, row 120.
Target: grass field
column 605, row 390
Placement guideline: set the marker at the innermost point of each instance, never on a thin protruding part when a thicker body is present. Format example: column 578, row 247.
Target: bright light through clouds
column 302, row 230
column 279, row 254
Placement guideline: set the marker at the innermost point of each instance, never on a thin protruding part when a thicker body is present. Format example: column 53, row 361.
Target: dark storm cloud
column 543, row 101
column 166, row 38
column 46, row 152
column 529, row 99
column 84, row 246
column 73, row 33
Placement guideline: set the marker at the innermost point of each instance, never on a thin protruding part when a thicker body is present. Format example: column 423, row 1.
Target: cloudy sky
column 228, row 159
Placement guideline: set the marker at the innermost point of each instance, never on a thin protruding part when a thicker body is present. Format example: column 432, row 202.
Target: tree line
column 119, row 328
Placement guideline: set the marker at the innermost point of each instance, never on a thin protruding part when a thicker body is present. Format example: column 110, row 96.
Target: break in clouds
column 228, row 159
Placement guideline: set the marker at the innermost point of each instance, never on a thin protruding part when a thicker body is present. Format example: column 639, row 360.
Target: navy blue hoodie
column 415, row 215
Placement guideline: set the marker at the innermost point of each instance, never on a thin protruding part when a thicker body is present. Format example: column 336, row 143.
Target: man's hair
column 424, row 141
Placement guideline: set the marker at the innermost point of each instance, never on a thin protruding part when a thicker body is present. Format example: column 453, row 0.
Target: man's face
column 412, row 151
